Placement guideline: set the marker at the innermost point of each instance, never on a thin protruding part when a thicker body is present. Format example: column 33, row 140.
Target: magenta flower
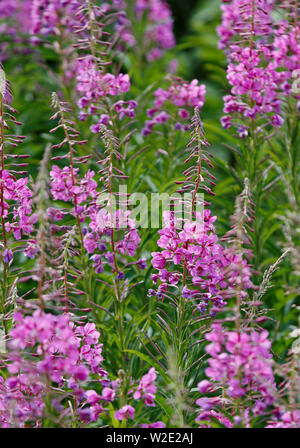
column 157, row 424
column 240, row 364
column 214, row 271
column 108, row 394
column 125, row 412
column 146, row 388
column 288, row 419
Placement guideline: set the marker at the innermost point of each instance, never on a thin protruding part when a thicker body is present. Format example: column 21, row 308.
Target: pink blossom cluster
column 125, row 413
column 67, row 186
column 15, row 18
column 14, row 9
column 254, row 91
column 286, row 53
column 288, row 419
column 146, row 388
column 237, row 18
column 214, row 272
column 97, row 237
column 158, row 424
column 48, row 15
column 62, row 187
column 17, row 205
column 57, row 351
column 183, row 97
column 160, row 29
column 94, row 85
column 70, row 188
column 158, row 35
column 263, row 58
column 240, row 364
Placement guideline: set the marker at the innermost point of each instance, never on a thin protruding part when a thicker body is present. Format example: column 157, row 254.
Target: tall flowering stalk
column 240, row 366
column 66, row 185
column 195, row 273
column 15, row 196
column 70, row 139
column 260, row 75
column 286, row 52
column 239, row 241
column 97, row 89
column 98, row 235
column 196, row 247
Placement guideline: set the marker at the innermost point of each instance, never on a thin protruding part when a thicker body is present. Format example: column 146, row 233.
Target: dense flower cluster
column 260, row 67
column 197, row 248
column 158, row 424
column 94, row 85
column 17, row 199
column 97, row 237
column 15, row 18
column 157, row 36
column 240, row 364
column 242, row 16
column 57, row 351
column 60, row 353
column 48, row 15
column 183, row 97
column 65, row 186
column 290, row 419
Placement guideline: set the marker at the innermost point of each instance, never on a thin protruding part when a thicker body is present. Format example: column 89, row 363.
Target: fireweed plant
column 114, row 311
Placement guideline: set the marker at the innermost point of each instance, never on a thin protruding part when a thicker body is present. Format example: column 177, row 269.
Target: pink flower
column 288, row 419
column 146, row 388
column 213, row 270
column 92, row 397
column 157, row 424
column 108, row 394
column 204, row 386
column 240, row 364
column 125, row 412
column 181, row 94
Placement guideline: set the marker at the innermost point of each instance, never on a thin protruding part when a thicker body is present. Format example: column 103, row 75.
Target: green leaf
column 150, row 361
